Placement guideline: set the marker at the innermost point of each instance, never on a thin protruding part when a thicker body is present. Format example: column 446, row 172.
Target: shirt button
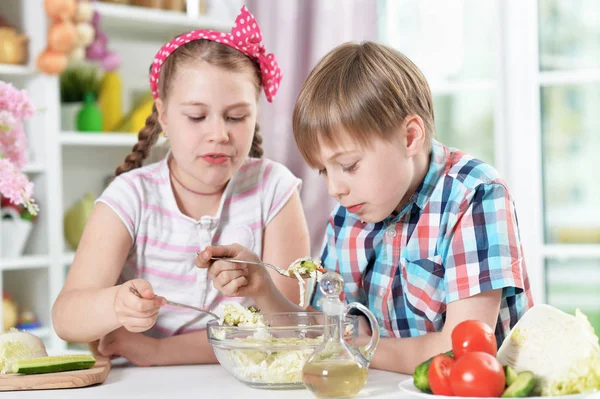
column 391, row 232
column 381, row 292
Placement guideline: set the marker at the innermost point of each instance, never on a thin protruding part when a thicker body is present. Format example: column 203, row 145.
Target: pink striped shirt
column 165, row 241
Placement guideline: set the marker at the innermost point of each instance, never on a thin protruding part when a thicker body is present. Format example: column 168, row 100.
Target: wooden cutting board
column 65, row 379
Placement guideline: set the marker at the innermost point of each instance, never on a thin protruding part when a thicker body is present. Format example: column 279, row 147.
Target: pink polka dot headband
column 245, row 37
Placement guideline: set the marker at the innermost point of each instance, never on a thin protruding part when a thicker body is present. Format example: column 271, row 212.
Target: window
column 569, row 65
column 455, row 44
column 517, row 84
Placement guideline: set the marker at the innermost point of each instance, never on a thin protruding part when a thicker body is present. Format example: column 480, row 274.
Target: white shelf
column 147, row 23
column 34, row 168
column 24, row 262
column 16, row 70
column 68, row 258
column 566, row 251
column 102, row 139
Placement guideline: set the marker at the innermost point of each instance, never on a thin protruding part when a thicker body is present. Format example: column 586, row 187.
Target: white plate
column 409, row 387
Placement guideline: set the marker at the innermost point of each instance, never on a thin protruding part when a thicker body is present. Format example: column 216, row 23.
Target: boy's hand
column 364, row 328
column 135, row 347
column 234, row 279
column 364, row 332
column 134, row 313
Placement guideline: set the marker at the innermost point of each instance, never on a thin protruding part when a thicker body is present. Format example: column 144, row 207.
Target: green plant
column 78, row 80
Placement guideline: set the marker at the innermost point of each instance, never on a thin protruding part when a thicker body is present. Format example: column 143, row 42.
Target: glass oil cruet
column 335, row 369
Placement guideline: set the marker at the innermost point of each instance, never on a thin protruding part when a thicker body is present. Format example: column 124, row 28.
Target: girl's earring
column 165, row 134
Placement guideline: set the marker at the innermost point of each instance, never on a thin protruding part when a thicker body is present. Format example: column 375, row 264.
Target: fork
column 278, row 269
column 181, row 305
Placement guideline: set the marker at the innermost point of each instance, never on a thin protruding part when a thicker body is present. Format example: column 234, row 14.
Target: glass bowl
column 272, row 357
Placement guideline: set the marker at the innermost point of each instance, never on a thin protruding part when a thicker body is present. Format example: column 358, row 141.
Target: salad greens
column 273, row 367
column 302, row 267
column 238, row 315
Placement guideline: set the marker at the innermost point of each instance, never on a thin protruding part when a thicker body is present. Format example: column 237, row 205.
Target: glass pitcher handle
column 369, row 349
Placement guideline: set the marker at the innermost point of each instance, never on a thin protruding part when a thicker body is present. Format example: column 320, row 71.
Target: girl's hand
column 134, row 313
column 235, row 279
column 135, row 347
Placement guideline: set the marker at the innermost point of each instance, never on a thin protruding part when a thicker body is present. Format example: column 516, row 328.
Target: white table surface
column 201, row 381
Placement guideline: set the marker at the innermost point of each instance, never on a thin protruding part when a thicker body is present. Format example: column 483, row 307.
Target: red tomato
column 477, row 374
column 473, row 336
column 439, row 375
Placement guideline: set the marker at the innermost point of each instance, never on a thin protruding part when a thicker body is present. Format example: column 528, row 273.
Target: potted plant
column 16, row 190
column 75, row 82
column 17, row 223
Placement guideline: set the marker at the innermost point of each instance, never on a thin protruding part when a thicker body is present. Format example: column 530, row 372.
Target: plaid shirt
column 457, row 237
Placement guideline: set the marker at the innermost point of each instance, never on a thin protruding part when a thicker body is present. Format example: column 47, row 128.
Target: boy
column 425, row 235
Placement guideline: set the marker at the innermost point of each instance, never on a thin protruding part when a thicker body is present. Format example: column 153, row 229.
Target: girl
column 424, row 235
column 211, row 188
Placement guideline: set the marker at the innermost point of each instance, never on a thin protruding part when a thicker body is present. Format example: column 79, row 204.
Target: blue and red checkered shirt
column 457, row 237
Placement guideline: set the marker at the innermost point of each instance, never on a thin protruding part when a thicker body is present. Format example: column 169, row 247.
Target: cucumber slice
column 53, row 364
column 511, row 375
column 521, row 387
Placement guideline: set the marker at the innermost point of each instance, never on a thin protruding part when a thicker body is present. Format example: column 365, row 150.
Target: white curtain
column 299, row 33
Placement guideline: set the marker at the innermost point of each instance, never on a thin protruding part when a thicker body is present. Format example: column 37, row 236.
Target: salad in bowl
column 269, row 350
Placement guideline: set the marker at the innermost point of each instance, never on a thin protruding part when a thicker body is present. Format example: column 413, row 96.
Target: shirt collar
column 437, row 166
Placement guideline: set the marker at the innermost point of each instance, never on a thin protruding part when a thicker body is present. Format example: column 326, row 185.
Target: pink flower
column 15, row 186
column 16, row 101
column 15, row 106
column 7, row 120
column 13, row 144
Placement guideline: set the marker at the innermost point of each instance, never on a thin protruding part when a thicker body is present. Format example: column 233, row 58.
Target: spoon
column 181, row 305
column 278, row 269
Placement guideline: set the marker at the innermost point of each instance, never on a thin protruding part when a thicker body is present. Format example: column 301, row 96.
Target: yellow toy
column 9, row 312
column 109, row 100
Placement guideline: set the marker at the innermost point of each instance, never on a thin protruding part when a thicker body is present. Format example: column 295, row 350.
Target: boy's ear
column 162, row 114
column 415, row 135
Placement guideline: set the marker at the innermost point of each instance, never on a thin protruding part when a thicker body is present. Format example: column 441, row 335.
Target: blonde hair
column 214, row 53
column 364, row 89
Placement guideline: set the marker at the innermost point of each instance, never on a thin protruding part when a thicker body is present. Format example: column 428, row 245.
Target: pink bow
column 245, row 37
